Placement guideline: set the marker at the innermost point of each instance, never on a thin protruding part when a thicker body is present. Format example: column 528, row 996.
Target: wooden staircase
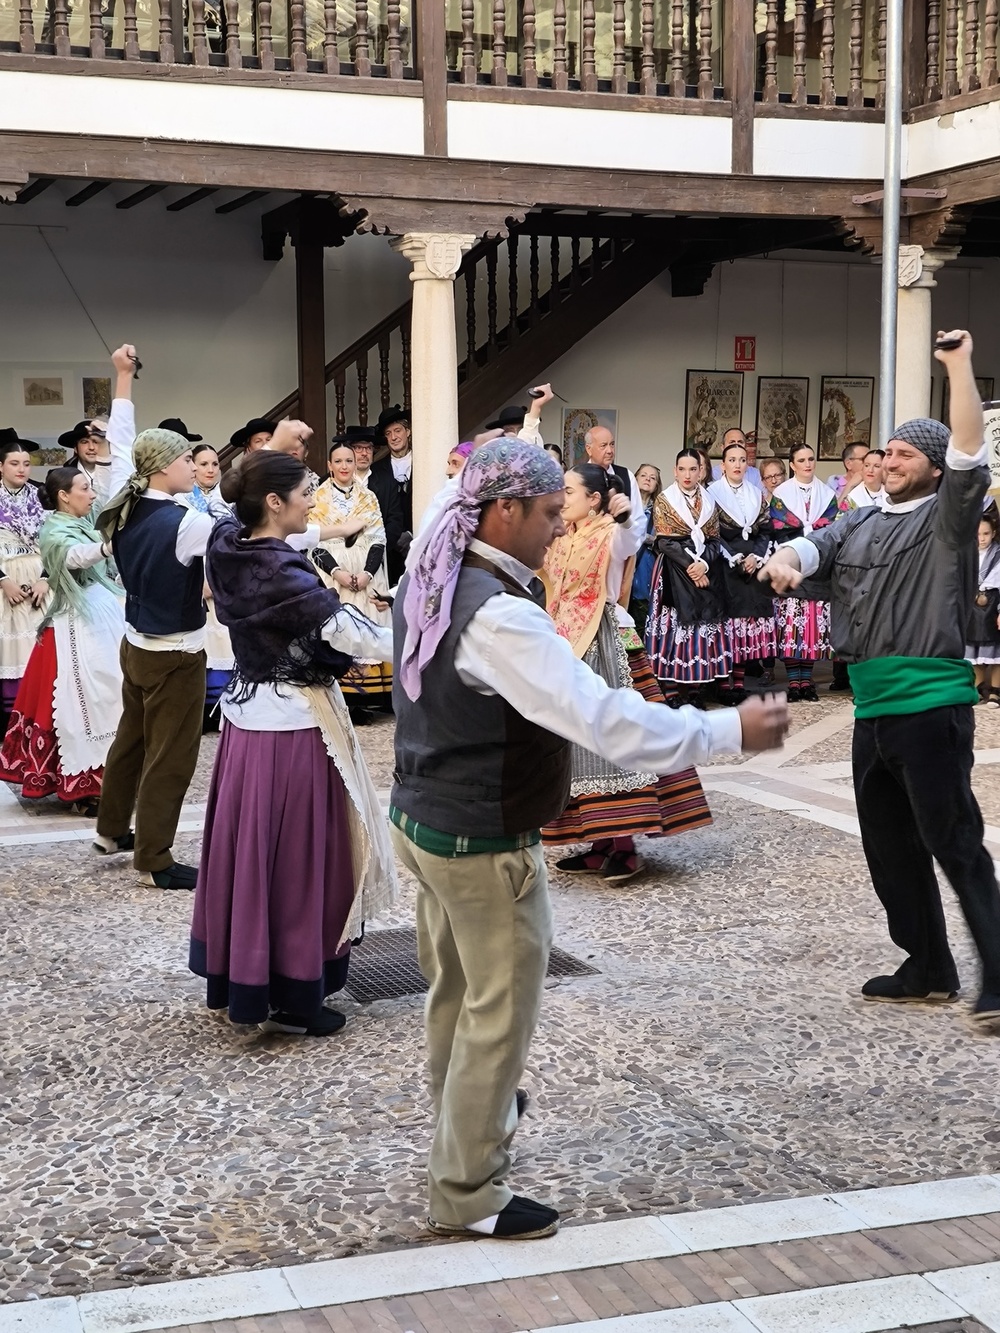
column 527, row 300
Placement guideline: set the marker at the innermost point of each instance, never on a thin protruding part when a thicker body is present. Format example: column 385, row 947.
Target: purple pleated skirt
column 275, row 883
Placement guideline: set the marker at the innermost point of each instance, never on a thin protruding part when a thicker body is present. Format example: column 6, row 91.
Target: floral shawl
column 21, row 515
column 788, row 513
column 333, row 505
column 673, row 520
column 576, row 583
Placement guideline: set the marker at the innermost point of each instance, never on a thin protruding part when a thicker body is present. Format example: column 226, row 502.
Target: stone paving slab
column 722, row 1055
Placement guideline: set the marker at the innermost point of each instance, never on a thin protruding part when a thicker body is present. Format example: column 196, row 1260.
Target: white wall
column 811, row 315
column 213, row 321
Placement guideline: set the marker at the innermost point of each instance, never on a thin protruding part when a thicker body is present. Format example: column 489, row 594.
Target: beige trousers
column 484, row 927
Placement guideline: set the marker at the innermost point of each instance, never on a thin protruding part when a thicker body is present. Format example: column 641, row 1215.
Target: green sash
column 888, row 685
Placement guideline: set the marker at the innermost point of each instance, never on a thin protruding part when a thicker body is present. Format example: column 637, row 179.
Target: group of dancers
column 710, row 620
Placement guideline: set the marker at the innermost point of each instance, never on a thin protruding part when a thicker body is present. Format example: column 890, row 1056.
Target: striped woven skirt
column 802, row 628
column 606, row 801
column 751, row 638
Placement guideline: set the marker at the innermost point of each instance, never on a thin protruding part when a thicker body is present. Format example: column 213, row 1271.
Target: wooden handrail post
column 432, row 70
column 739, row 56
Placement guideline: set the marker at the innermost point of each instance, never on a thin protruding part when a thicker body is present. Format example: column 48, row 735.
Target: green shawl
column 69, row 587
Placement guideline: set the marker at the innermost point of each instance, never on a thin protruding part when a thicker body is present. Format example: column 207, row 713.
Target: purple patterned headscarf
column 463, row 450
column 505, row 469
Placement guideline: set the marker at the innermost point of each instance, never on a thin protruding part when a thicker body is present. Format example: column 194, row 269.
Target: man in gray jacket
column 901, row 581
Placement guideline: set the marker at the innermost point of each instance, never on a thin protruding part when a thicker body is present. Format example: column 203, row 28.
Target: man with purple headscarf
column 488, row 698
column 902, row 581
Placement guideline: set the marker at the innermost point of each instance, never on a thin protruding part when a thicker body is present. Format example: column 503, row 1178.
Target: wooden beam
column 88, row 192
column 432, row 71
column 310, row 323
column 418, row 179
column 250, row 197
column 140, row 196
column 34, row 189
column 740, row 78
column 195, row 197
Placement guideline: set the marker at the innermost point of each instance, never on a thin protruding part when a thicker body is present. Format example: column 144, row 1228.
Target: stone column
column 914, row 329
column 435, row 257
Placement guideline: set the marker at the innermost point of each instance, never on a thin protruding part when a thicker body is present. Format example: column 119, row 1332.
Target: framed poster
column 845, row 413
column 782, row 402
column 96, row 396
column 41, row 392
column 713, row 404
column 576, row 421
column 984, row 383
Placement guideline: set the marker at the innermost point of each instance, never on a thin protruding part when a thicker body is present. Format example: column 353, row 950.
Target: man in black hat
column 253, row 436
column 88, row 451
column 524, row 422
column 178, row 427
column 395, row 471
column 382, row 484
column 901, row 580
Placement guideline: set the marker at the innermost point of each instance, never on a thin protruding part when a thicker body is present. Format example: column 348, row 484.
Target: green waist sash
column 910, row 684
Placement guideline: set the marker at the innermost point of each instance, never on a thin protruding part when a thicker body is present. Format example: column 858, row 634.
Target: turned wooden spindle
column 799, row 54
column 952, row 87
column 469, row 72
column 361, row 366
column 555, row 293
column 340, row 394
column 511, row 288
column 265, row 42
column 990, row 45
column 199, row 42
column 883, row 24
column 706, row 83
column 98, row 44
column 499, row 72
column 828, row 44
column 678, row 74
column 533, row 276
column 131, row 32
column 619, row 73
column 529, row 70
column 970, row 52
column 588, row 31
column 470, row 315
column 491, row 303
column 60, row 28
column 167, row 54
column 331, row 50
column 384, row 386
column 405, row 331
column 932, row 79
column 362, row 54
column 394, row 41
column 560, row 73
column 234, row 56
column 26, row 22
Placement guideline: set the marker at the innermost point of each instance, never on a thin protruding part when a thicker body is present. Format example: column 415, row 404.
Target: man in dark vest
column 482, row 761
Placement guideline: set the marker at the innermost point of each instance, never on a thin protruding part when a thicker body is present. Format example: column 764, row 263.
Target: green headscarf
column 58, row 534
column 152, row 452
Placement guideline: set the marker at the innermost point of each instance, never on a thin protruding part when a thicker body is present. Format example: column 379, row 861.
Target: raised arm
column 121, row 427
column 965, row 411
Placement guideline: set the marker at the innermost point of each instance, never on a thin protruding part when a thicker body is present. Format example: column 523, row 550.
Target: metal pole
column 890, row 217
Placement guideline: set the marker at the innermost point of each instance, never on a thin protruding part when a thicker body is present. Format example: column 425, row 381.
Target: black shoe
column 986, row 1009
column 578, row 865
column 522, row 1101
column 361, row 717
column 794, row 694
column 522, row 1219
column 620, row 867
column 840, row 687
column 697, row 700
column 890, row 990
column 176, row 876
column 323, row 1024
column 112, row 846
column 808, row 695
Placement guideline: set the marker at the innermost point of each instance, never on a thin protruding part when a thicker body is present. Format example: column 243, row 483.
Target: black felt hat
column 356, row 435
column 69, row 439
column 255, row 426
column 388, row 417
column 8, row 435
column 509, row 416
column 179, row 428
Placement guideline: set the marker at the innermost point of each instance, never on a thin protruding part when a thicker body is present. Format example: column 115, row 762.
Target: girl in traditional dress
column 870, row 490
column 23, row 591
column 798, row 506
column 583, row 575
column 982, row 646
column 745, row 536
column 70, row 701
column 685, row 634
column 355, row 566
column 296, row 853
column 218, row 650
column 650, row 483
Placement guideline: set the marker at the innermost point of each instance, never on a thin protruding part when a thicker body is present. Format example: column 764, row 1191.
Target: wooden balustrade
column 825, row 53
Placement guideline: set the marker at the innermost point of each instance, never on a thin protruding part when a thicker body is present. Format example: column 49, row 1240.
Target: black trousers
column 912, row 781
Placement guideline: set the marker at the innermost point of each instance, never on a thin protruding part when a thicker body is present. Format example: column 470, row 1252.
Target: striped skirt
column 802, row 628
column 751, row 638
column 608, row 803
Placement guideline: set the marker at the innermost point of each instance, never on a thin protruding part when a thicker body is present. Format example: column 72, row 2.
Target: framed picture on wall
column 713, row 404
column 845, row 413
column 782, row 403
column 96, row 396
column 576, row 421
column 984, row 383
column 42, row 392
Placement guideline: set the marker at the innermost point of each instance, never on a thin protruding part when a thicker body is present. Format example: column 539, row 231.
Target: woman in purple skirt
column 296, row 853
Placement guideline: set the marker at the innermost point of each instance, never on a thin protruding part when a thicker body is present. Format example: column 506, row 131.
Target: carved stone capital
column 433, row 254
column 917, row 266
column 10, row 189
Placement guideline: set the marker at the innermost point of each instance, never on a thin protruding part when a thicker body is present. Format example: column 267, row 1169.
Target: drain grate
column 384, row 966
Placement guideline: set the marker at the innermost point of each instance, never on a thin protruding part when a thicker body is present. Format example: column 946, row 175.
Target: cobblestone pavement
column 721, row 1054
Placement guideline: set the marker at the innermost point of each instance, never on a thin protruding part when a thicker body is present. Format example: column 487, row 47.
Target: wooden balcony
column 699, row 55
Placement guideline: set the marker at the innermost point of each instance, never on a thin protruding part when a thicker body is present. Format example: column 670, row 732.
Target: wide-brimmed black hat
column 509, row 416
column 179, row 428
column 69, row 439
column 8, row 435
column 356, row 435
column 255, row 426
column 388, row 416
